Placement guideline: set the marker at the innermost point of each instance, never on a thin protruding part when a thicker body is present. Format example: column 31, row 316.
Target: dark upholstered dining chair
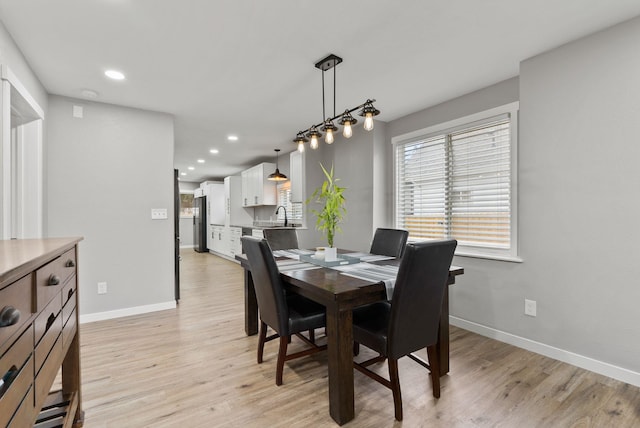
column 286, row 313
column 389, row 242
column 281, row 238
column 409, row 321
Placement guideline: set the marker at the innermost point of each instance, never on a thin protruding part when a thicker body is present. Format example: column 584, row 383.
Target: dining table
column 340, row 292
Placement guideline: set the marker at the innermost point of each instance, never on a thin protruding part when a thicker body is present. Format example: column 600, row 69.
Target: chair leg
column 395, row 387
column 312, row 336
column 356, row 348
column 261, row 339
column 434, row 363
column 282, row 353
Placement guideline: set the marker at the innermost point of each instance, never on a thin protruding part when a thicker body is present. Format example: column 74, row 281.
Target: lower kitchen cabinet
column 226, row 241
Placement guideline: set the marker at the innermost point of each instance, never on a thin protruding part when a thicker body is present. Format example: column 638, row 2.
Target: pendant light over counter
column 277, row 175
column 368, row 111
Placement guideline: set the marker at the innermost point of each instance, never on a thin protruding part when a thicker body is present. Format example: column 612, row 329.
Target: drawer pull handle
column 50, row 321
column 9, row 316
column 54, row 280
column 7, row 379
column 70, row 294
column 70, row 263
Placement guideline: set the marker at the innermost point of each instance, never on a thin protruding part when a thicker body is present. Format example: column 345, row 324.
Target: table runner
column 365, row 271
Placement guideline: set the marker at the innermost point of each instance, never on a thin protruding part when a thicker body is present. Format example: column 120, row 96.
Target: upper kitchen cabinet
column 256, row 189
column 296, row 176
column 215, row 194
column 235, row 215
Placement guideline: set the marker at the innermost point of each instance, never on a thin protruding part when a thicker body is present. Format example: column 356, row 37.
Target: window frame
column 512, row 109
column 295, row 214
column 186, row 192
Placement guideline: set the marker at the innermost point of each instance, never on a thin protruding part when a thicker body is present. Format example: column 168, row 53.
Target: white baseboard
column 118, row 313
column 606, row 369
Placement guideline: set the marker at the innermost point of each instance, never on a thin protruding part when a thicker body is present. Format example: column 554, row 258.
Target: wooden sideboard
column 39, row 333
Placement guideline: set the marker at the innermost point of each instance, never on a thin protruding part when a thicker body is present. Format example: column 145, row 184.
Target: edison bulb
column 368, row 121
column 347, row 132
column 301, row 147
column 314, row 142
column 329, row 137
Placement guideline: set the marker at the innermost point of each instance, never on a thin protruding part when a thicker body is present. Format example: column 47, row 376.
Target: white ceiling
column 246, row 67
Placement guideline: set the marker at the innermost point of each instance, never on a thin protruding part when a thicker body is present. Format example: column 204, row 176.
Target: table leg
column 442, row 347
column 340, row 356
column 250, row 305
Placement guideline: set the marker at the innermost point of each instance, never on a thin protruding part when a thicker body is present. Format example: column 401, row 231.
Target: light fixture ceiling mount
column 277, row 175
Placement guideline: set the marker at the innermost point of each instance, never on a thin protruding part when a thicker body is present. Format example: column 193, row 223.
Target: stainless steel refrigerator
column 200, row 224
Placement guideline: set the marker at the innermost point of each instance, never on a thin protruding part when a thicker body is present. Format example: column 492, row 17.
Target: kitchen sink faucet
column 285, row 214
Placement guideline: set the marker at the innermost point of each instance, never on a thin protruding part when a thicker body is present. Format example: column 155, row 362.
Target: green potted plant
column 333, row 210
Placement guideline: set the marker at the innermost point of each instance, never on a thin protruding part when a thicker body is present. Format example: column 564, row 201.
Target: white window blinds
column 457, row 184
column 294, row 209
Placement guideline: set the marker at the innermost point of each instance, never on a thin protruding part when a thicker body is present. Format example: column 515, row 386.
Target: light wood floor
column 194, row 367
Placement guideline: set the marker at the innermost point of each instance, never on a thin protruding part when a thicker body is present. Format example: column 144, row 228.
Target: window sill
column 512, row 259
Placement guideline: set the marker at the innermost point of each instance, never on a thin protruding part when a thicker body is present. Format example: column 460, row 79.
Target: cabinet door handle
column 9, row 316
column 70, row 263
column 53, row 280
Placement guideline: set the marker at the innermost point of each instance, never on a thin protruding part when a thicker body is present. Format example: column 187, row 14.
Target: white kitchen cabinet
column 235, row 242
column 257, row 190
column 257, row 233
column 215, row 193
column 220, row 240
column 296, row 176
column 235, row 214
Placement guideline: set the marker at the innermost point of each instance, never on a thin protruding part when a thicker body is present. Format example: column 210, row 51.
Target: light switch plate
column 78, row 112
column 158, row 214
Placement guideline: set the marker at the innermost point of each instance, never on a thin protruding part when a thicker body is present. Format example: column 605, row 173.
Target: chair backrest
column 281, row 238
column 268, row 285
column 417, row 296
column 389, row 242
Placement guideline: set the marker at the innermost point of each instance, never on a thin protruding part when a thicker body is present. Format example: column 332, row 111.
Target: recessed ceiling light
column 214, row 151
column 183, row 173
column 200, row 160
column 114, row 74
column 190, row 168
column 232, row 138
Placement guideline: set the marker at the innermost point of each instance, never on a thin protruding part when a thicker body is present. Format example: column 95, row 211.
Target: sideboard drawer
column 48, row 373
column 26, row 412
column 17, row 296
column 48, row 326
column 69, row 331
column 69, row 292
column 52, row 277
column 16, row 366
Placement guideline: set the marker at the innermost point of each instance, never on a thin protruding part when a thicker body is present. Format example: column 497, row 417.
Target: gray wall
column 580, row 122
column 106, row 172
column 363, row 167
column 578, row 172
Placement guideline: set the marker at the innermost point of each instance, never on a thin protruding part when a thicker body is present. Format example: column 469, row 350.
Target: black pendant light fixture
column 345, row 119
column 277, row 176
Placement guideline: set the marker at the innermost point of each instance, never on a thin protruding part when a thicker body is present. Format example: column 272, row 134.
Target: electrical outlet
column 530, row 307
column 102, row 288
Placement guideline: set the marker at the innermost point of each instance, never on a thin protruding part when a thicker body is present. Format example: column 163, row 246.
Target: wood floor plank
column 195, row 367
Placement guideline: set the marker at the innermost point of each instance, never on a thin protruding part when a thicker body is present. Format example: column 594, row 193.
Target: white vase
column 330, row 254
